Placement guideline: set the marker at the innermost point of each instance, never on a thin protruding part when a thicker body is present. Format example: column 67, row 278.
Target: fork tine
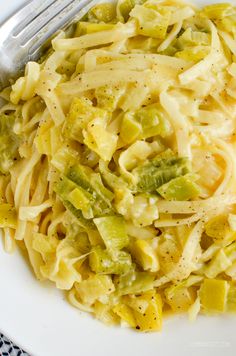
column 55, row 8
column 34, row 10
column 14, row 54
column 31, row 10
column 74, row 11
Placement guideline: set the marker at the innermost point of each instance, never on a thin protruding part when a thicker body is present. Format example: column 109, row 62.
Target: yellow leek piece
column 213, row 295
column 105, row 12
column 100, row 140
column 64, row 158
column 193, row 54
column 231, row 300
column 219, row 263
column 8, row 216
column 180, row 188
column 193, row 38
column 179, row 299
column 130, row 128
column 232, row 221
column 217, row 11
column 108, row 97
column 113, row 232
column 104, row 313
column 44, row 244
column 135, row 302
column 94, row 287
column 152, row 23
column 100, row 261
column 80, row 114
column 78, row 199
column 151, row 320
column 123, row 9
column 223, row 14
column 218, row 228
column 125, row 313
column 145, row 255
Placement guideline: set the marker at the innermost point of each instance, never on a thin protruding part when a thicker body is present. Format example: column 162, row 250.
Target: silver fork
column 23, row 35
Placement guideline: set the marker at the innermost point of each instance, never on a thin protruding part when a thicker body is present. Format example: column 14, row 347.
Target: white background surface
column 38, row 318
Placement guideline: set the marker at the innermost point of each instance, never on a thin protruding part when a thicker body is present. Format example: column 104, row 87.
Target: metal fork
column 23, row 35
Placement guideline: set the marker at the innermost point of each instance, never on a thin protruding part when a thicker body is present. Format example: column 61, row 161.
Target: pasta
column 117, row 162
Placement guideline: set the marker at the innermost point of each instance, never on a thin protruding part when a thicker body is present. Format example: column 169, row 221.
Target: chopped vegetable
column 192, row 38
column 105, row 12
column 141, row 209
column 218, row 11
column 130, row 128
column 94, row 288
column 43, row 244
column 144, row 123
column 80, row 199
column 181, row 299
column 152, row 22
column 91, row 182
column 231, row 298
column 223, row 14
column 136, row 302
column 181, row 188
column 98, row 139
column 76, row 196
column 159, row 171
column 143, row 312
column 64, row 158
column 219, row 263
column 9, row 142
column 80, row 114
column 194, row 309
column 193, row 54
column 124, row 7
column 101, row 261
column 145, row 255
column 8, row 216
column 104, row 313
column 87, row 124
column 125, row 313
column 113, row 232
column 64, row 189
column 134, row 282
column 213, row 295
column 151, row 320
column 108, row 98
column 218, row 228
column 232, row 222
column 153, row 121
column 181, row 296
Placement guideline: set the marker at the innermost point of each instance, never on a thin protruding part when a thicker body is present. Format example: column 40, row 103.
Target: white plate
column 39, row 319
